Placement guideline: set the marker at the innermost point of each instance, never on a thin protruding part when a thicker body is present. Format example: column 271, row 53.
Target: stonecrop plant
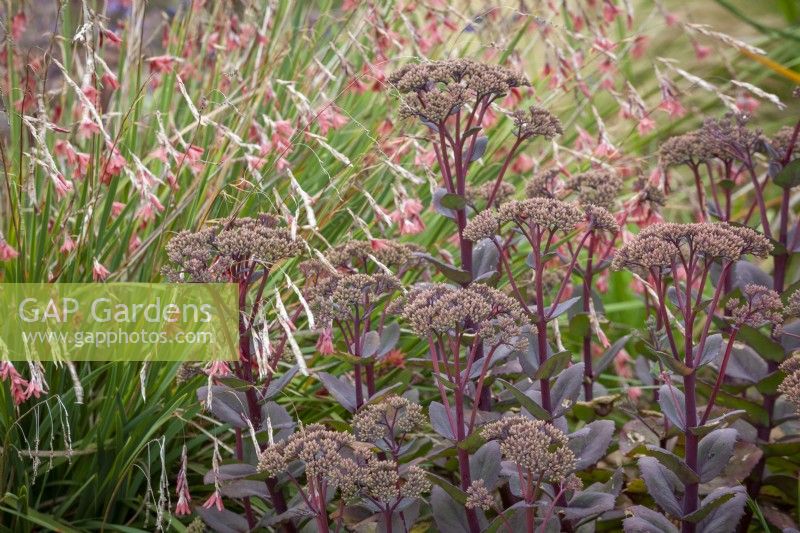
column 498, row 268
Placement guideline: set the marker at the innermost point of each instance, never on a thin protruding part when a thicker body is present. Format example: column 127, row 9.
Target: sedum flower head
column 688, row 149
column 484, row 191
column 434, row 90
column 600, row 219
column 595, row 187
column 212, row 253
column 661, row 245
column 793, row 304
column 730, row 136
column 791, row 383
column 478, row 78
column 542, row 185
column 536, row 122
column 332, row 456
column 534, row 445
column 439, row 309
column 334, row 297
column 484, row 225
column 478, row 496
column 547, row 213
column 782, row 140
column 762, row 306
column 354, row 254
column 392, row 416
column 382, row 480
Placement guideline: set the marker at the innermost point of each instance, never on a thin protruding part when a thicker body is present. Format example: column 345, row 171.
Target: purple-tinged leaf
column 390, row 335
column 277, row 385
column 449, row 515
column 439, row 420
column 714, row 451
column 566, row 389
column 661, row 484
column 370, row 342
column 229, row 472
column 673, row 463
column 673, row 402
column 610, row 354
column 278, row 418
column 342, row 391
column 479, row 149
column 438, row 194
column 227, row 405
column 245, row 488
column 591, row 442
column 553, row 365
column 585, row 504
column 726, row 516
column 526, row 401
column 485, row 464
column 223, row 521
column 646, row 520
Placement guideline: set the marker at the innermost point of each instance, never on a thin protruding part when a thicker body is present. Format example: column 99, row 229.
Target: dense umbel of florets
column 479, row 78
column 394, row 416
column 546, row 213
column 661, row 246
column 542, row 185
column 535, row 445
column 793, row 304
column 791, row 383
column 334, row 297
column 484, row 191
column 762, row 306
column 596, row 187
column 332, row 456
column 730, row 137
column 782, row 140
column 354, row 255
column 438, row 309
column 687, row 149
column 343, row 463
column 211, row 253
column 536, row 122
column 484, row 225
column 435, row 90
column 600, row 219
column 382, row 481
column 478, row 496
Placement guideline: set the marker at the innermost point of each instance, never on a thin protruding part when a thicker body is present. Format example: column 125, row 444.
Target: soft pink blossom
column 325, row 342
column 407, row 217
column 99, row 272
column 215, row 500
column 7, row 253
column 17, row 383
column 329, row 118
column 68, row 245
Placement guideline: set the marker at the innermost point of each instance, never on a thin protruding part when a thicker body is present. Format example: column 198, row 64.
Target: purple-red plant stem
column 588, row 374
column 541, row 324
column 720, row 376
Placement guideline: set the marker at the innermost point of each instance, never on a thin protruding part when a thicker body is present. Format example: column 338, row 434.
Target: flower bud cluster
column 534, row 445
column 439, row 309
